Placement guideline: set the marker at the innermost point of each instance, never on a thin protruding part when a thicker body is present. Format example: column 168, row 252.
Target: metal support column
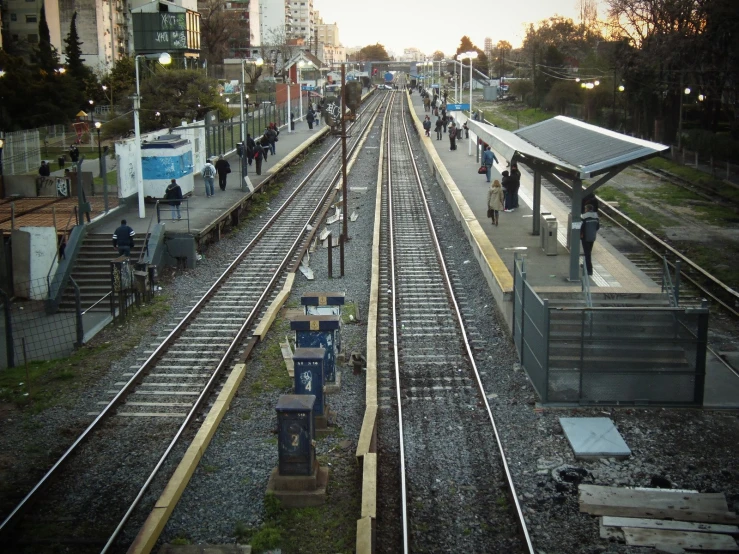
column 537, row 202
column 575, row 231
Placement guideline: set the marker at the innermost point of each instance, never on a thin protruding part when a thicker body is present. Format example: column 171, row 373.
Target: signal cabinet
column 296, row 451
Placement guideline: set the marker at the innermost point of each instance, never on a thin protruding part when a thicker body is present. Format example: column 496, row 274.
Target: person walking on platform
column 445, row 119
column 250, row 147
column 209, row 174
column 495, row 201
column 123, row 239
column 488, row 157
column 427, row 125
column 174, row 195
column 426, row 104
column 310, row 117
column 223, row 168
column 588, row 232
column 438, row 127
column 272, row 132
column 466, row 131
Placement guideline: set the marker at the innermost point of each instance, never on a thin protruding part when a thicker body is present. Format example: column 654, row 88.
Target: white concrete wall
column 34, row 253
column 125, row 153
column 195, row 133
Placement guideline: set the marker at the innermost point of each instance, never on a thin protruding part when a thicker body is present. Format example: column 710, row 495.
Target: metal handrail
column 148, row 228
column 65, row 234
column 98, row 302
column 586, row 287
column 667, row 285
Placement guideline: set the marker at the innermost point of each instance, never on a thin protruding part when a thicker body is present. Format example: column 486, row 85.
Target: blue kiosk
column 325, row 303
column 308, row 375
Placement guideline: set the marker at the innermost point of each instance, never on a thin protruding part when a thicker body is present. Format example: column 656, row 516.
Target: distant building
column 412, row 55
column 488, row 47
column 303, row 24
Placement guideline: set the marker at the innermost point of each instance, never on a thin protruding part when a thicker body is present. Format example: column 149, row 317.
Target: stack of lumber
column 669, row 520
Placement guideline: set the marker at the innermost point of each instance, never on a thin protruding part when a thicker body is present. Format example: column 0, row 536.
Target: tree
column 481, row 62
column 502, row 49
column 75, row 65
column 46, row 57
column 220, row 28
column 374, row 52
column 277, row 49
column 437, row 56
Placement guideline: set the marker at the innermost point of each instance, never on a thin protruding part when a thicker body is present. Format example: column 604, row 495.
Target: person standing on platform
column 439, row 126
column 495, row 201
column 258, row 155
column 516, row 175
column 250, row 147
column 123, row 239
column 209, row 174
column 592, row 200
column 453, row 136
column 488, row 157
column 467, row 132
column 507, row 183
column 223, row 168
column 588, row 231
column 269, row 139
column 173, row 194
column 427, row 125
column 310, row 117
column 44, row 170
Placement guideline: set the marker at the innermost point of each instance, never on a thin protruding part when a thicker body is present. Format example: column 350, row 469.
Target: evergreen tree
column 46, row 57
column 76, row 67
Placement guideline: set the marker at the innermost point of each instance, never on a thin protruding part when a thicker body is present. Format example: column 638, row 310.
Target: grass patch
column 49, row 383
column 273, row 377
column 706, row 256
column 316, row 530
column 692, row 175
column 349, row 313
column 514, row 116
column 180, row 541
column 260, row 201
column 208, row 468
column 112, row 177
column 644, row 216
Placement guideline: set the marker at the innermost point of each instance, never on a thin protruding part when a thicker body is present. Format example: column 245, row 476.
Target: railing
column 185, row 201
column 672, row 289
column 65, row 237
column 145, row 249
column 586, row 287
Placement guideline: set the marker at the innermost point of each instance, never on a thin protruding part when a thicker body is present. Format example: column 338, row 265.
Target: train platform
column 201, row 214
column 496, row 247
column 612, row 272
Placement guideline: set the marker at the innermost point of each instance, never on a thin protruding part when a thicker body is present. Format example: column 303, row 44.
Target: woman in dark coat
column 174, row 195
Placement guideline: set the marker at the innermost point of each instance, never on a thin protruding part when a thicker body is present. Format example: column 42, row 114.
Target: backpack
column 208, row 171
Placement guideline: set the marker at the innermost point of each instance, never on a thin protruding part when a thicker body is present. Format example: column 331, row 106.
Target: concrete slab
column 594, row 437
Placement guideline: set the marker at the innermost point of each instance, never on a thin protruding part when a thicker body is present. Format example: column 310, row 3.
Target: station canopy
column 567, row 147
column 564, row 148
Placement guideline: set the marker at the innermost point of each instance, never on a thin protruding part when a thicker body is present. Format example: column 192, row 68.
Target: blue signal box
column 308, row 364
column 296, row 451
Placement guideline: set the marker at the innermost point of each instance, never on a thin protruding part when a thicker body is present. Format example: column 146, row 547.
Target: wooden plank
column 609, row 533
column 369, row 485
column 669, row 525
column 364, row 536
column 658, row 504
column 368, row 428
column 679, row 539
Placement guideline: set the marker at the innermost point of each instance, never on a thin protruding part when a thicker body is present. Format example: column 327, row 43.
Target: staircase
column 92, row 271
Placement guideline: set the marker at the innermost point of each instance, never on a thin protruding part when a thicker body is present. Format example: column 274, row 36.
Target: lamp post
column 258, row 62
column 103, row 170
column 2, row 144
column 164, row 59
column 472, row 55
column 301, row 64
column 92, row 118
column 98, row 124
column 686, row 91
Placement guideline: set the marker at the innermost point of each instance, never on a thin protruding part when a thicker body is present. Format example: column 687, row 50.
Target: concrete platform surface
column 594, row 437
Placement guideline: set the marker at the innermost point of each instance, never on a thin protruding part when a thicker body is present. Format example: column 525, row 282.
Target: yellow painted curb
column 485, row 251
column 369, row 485
column 364, row 536
column 154, row 524
column 271, row 313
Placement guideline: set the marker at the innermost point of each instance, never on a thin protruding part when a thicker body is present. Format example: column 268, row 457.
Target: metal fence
column 29, row 333
column 604, row 355
column 707, row 164
column 21, row 152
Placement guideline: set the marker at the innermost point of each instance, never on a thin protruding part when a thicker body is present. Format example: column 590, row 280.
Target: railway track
column 445, row 471
column 92, row 494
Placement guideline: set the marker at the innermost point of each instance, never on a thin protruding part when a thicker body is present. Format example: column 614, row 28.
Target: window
column 33, row 39
column 13, row 17
column 31, row 19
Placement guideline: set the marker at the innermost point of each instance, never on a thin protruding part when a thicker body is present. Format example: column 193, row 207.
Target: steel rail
column 468, row 349
column 396, row 353
column 166, row 343
column 291, row 253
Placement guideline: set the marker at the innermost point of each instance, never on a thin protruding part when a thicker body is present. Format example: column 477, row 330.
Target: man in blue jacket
column 123, row 239
column 488, row 157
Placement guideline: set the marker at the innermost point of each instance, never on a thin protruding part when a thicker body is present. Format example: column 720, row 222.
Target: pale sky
column 431, row 25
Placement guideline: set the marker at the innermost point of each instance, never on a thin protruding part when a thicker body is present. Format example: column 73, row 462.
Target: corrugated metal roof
column 569, row 145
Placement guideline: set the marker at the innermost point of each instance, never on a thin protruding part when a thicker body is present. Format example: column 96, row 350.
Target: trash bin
column 549, row 235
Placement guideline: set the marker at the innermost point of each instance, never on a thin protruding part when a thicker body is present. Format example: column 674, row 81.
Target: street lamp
column 301, row 64
column 472, row 55
column 258, row 62
column 92, row 117
column 164, row 59
column 2, row 143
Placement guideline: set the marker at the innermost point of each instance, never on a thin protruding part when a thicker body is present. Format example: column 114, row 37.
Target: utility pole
column 344, row 202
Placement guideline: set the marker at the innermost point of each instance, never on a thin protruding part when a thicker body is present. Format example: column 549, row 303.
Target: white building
column 412, row 55
column 303, row 21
